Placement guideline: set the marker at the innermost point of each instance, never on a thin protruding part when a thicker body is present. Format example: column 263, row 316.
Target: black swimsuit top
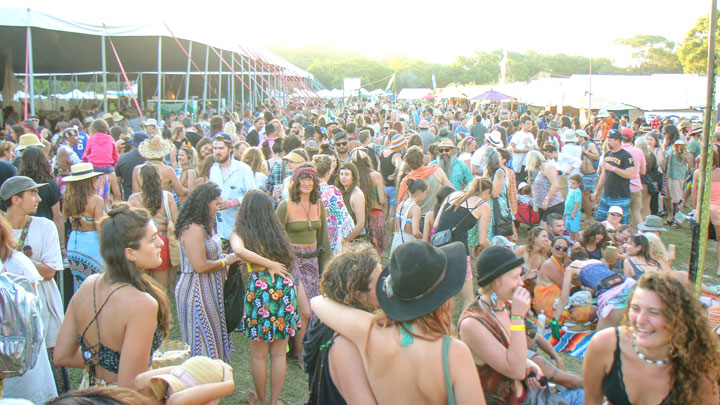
column 101, row 355
column 613, row 384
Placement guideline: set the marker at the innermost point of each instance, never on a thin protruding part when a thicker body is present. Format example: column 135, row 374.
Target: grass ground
column 295, row 388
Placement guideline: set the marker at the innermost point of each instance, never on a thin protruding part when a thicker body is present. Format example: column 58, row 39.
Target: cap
column 16, row 185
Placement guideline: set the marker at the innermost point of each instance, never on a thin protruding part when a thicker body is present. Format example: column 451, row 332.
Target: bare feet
column 252, row 398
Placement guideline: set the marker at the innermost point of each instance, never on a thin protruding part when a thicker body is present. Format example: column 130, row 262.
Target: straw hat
column 446, row 143
column 28, row 140
column 117, row 117
column 194, row 371
column 81, row 171
column 155, row 148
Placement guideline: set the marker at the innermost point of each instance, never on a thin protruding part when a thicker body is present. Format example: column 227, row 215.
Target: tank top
column 540, row 190
column 387, row 168
column 613, row 384
column 450, row 217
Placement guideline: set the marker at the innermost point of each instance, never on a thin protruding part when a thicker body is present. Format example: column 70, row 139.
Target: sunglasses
column 560, row 248
column 616, row 214
column 444, row 150
column 341, row 143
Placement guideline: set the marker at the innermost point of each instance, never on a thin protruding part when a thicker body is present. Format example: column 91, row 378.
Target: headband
column 303, row 170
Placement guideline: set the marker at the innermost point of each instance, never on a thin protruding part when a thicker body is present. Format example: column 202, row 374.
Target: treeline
column 652, row 53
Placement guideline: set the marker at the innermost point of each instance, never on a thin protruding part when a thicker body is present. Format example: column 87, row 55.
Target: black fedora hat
column 420, row 278
column 495, row 261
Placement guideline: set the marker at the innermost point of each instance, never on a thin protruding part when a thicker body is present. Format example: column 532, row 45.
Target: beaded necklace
column 642, row 356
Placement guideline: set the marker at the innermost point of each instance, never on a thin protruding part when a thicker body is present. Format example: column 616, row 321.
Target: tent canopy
column 64, row 46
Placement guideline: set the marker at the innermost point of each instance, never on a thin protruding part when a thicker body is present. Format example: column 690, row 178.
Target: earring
column 493, row 300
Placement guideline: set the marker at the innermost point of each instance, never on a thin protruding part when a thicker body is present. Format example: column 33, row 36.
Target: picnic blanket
column 572, row 343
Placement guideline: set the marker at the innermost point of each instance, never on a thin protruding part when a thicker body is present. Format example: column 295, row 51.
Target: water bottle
column 555, row 329
column 542, row 318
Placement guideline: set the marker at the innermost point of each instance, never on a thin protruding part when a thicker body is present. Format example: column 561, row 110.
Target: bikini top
column 404, row 220
column 99, row 354
column 613, row 384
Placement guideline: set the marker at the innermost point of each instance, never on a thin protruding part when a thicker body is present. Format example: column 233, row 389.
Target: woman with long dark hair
column 188, row 162
column 271, row 315
column 639, row 260
column 203, row 270
column 163, row 210
column 354, row 198
column 84, row 209
column 594, row 240
column 34, row 164
column 339, row 222
column 117, row 319
column 303, row 217
column 373, row 188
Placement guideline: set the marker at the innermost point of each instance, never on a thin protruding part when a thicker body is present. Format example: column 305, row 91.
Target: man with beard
column 456, row 171
column 342, row 148
column 234, row 178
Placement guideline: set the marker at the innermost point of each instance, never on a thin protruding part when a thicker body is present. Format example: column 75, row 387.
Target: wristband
column 232, row 203
column 517, row 318
column 613, row 169
column 517, row 327
column 223, row 262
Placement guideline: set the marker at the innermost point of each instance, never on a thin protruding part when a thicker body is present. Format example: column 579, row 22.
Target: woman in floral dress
column 271, row 314
column 339, row 221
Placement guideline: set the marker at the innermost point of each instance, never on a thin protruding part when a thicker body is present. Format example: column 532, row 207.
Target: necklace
column 492, row 307
column 642, row 356
column 307, row 214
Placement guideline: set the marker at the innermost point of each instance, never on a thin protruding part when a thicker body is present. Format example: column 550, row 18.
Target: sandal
column 675, row 225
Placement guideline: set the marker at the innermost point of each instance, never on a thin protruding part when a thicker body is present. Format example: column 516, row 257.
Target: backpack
column 21, row 329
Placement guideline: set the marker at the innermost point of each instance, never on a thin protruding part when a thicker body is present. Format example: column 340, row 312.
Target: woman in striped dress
column 203, row 270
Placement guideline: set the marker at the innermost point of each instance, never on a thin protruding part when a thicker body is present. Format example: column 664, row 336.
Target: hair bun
column 118, row 208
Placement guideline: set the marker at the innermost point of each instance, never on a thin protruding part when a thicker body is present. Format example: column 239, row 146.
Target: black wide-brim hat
column 420, row 278
column 495, row 261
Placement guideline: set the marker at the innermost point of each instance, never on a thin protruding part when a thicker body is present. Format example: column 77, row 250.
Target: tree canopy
column 694, row 50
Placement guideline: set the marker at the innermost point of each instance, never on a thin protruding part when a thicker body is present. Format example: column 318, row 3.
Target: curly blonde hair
column 657, row 248
column 694, row 348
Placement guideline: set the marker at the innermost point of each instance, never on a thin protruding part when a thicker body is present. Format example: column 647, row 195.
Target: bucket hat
column 420, row 278
column 652, row 223
column 495, row 261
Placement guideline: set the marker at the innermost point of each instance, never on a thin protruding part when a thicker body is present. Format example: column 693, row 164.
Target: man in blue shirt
column 234, row 178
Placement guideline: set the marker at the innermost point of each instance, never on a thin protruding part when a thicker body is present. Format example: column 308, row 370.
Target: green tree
column 694, row 50
column 324, row 71
column 654, row 53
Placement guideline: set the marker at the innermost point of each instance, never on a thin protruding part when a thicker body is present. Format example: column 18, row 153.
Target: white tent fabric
column 413, row 94
column 221, row 36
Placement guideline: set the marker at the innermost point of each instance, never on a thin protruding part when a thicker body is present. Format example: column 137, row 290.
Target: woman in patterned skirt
column 271, row 315
column 203, row 270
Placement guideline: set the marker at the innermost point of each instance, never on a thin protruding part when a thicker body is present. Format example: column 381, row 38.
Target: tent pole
column 31, row 71
column 219, row 83
column 231, row 78
column 159, row 80
column 207, row 56
column 104, row 71
column 242, row 92
column 187, row 77
column 140, row 91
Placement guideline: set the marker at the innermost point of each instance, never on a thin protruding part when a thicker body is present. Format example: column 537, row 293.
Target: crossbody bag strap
column 466, row 215
column 167, row 207
column 24, row 232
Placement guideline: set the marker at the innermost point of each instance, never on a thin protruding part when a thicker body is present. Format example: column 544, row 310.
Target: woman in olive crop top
column 303, row 216
column 664, row 353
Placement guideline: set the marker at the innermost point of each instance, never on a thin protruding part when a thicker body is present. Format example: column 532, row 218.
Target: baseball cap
column 16, row 185
column 627, row 133
column 614, row 134
column 615, row 210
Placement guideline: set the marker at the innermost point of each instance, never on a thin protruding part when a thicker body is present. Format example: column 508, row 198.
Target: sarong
column 84, row 259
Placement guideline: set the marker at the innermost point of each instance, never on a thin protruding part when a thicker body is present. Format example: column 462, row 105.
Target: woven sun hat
column 197, row 370
column 155, row 148
column 446, row 143
column 81, row 171
column 398, row 140
column 117, row 117
column 28, row 140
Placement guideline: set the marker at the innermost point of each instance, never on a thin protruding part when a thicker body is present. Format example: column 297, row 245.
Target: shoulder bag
column 441, row 238
column 502, row 225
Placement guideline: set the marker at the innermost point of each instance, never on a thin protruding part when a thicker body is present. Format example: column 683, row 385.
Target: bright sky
column 435, row 31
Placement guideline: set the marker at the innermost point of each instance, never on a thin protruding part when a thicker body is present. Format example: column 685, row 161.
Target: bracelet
column 232, row 203
column 517, row 327
column 613, row 169
column 223, row 262
column 517, row 318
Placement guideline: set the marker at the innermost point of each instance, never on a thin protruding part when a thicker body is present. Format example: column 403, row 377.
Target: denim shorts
column 391, row 194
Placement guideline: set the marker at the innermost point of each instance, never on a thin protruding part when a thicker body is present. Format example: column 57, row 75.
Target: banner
column 350, row 85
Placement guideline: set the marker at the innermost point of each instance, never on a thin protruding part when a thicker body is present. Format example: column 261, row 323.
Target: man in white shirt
column 38, row 239
column 520, row 144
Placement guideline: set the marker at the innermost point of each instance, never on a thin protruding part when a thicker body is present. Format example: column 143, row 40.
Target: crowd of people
column 273, row 224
